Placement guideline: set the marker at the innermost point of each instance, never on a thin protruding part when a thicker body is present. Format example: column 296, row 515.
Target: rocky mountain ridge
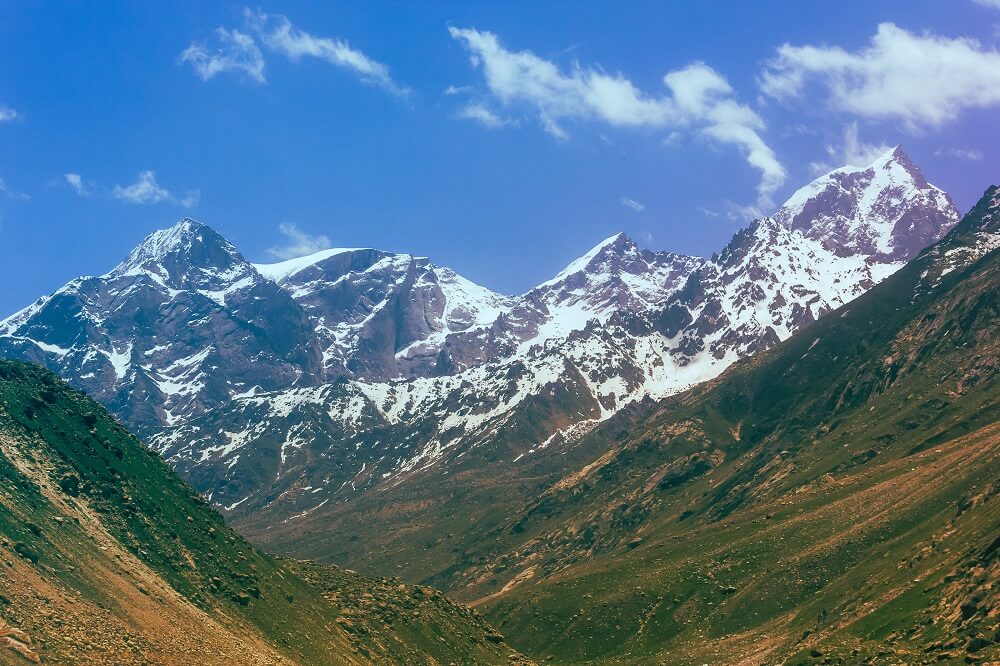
column 295, row 454
column 329, row 375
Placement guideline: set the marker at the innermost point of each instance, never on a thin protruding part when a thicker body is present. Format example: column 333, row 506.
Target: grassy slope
column 833, row 499
column 108, row 557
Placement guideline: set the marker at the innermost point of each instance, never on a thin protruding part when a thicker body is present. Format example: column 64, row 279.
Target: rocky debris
column 26, row 551
column 365, row 609
column 70, row 484
column 18, row 641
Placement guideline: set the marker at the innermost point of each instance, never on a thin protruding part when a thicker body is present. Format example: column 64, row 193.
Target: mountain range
column 291, row 391
column 786, row 452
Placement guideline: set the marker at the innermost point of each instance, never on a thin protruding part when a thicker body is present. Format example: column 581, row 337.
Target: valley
column 500, row 333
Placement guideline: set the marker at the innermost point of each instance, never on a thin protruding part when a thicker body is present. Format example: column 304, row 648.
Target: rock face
column 379, row 315
column 287, row 385
column 767, row 283
column 615, row 278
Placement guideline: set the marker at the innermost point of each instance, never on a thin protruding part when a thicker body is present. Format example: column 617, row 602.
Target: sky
column 502, row 139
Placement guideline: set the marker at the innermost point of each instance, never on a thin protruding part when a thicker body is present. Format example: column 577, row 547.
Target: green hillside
column 108, row 557
column 831, row 501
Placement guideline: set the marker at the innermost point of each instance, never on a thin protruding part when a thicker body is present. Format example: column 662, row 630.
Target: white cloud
column 279, row 35
column 994, row 4
column 629, row 202
column 8, row 114
column 524, row 77
column 922, row 80
column 75, row 181
column 188, row 200
column 972, row 155
column 481, row 115
column 699, row 100
column 298, row 244
column 851, row 152
column 144, row 191
column 673, row 138
column 855, row 152
column 237, row 53
column 12, row 194
column 147, row 191
column 744, row 213
column 457, row 90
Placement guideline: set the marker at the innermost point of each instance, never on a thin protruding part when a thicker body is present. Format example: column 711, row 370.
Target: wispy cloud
column 145, row 191
column 298, row 243
column 850, row 152
column 76, row 182
column 12, row 194
column 482, row 115
column 922, row 80
column 698, row 99
column 993, row 4
column 8, row 114
column 673, row 138
column 237, row 52
column 279, row 35
column 972, row 155
column 629, row 202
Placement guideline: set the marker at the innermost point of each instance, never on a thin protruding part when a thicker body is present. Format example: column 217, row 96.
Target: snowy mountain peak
column 897, row 157
column 188, row 254
column 617, row 245
column 286, row 269
column 615, row 277
column 886, row 209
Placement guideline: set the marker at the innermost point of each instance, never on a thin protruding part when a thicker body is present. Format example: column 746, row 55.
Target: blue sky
column 501, row 139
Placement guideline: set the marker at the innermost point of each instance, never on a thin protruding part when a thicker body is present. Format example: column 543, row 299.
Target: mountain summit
column 183, row 324
column 887, row 209
column 188, row 255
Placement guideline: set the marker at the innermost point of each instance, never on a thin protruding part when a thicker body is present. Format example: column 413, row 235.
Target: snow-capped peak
column 187, row 255
column 285, row 269
column 886, row 209
column 616, row 274
column 617, row 244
